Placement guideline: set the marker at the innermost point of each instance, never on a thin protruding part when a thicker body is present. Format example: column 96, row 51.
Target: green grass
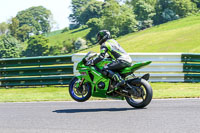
column 181, row 35
column 53, row 33
column 58, row 38
column 34, row 94
column 160, row 90
column 176, row 90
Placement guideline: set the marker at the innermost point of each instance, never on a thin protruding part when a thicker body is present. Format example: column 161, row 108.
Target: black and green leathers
column 114, row 50
column 120, row 57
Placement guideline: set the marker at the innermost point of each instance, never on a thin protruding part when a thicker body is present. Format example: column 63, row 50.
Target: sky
column 59, row 8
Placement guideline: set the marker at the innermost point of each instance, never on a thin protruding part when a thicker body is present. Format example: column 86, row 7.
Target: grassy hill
column 57, row 37
column 181, row 35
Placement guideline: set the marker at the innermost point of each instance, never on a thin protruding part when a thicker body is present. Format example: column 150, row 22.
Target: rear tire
column 148, row 96
column 75, row 92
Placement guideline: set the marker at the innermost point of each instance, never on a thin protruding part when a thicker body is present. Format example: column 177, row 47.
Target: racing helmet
column 102, row 36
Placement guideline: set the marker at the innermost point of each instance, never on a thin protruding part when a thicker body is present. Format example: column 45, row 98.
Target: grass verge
column 176, row 90
column 160, row 90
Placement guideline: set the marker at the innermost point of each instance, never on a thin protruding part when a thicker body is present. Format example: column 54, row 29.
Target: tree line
column 24, row 34
column 121, row 17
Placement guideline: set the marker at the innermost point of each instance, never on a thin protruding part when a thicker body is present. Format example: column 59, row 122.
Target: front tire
column 146, row 91
column 81, row 93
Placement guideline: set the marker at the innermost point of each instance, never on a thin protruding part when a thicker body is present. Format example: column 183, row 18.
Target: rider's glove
column 89, row 63
column 109, row 57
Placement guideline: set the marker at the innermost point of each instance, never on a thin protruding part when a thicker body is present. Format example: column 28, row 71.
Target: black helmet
column 102, row 36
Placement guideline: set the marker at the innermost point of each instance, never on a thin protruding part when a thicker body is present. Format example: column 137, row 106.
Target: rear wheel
column 79, row 93
column 143, row 96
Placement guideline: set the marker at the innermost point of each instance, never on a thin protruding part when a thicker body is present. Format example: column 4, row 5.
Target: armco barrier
column 165, row 67
column 45, row 70
column 58, row 70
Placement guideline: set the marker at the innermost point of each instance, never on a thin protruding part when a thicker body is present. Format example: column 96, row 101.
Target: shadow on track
column 94, row 110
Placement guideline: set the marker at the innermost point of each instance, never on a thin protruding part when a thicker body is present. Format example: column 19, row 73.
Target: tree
column 134, row 2
column 184, row 7
column 34, row 20
column 144, row 12
column 95, row 24
column 197, row 2
column 116, row 18
column 20, row 33
column 9, row 47
column 92, row 10
column 3, row 28
column 38, row 45
column 39, row 18
column 23, row 32
column 151, row 2
column 77, row 8
column 13, row 26
column 167, row 10
column 119, row 20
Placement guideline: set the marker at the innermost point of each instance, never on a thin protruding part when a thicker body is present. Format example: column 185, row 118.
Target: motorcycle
column 91, row 82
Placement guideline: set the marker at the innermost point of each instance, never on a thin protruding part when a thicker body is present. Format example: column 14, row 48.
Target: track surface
column 175, row 115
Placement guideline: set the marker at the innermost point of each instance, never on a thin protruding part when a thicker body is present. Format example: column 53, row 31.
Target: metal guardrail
column 58, row 70
column 165, row 67
column 32, row 71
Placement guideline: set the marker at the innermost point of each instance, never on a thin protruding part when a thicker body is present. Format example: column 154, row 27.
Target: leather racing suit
column 118, row 54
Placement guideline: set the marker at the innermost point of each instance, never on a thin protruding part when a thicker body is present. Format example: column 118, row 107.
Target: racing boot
column 117, row 78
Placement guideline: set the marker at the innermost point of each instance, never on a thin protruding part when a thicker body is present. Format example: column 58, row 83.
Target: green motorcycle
column 137, row 91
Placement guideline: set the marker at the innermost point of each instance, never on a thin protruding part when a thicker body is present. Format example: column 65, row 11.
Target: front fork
column 81, row 82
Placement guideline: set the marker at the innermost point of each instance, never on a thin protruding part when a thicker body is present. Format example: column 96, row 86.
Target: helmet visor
column 98, row 38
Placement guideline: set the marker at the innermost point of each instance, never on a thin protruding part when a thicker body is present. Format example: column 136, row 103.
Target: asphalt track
column 161, row 116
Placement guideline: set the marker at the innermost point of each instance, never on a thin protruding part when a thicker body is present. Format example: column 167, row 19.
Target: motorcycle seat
column 135, row 67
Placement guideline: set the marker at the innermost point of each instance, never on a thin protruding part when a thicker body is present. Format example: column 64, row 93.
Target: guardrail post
column 76, row 58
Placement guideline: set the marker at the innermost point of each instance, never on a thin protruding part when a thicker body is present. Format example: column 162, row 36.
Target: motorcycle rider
column 116, row 52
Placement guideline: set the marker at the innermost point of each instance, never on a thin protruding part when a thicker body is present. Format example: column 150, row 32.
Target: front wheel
column 79, row 93
column 143, row 96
